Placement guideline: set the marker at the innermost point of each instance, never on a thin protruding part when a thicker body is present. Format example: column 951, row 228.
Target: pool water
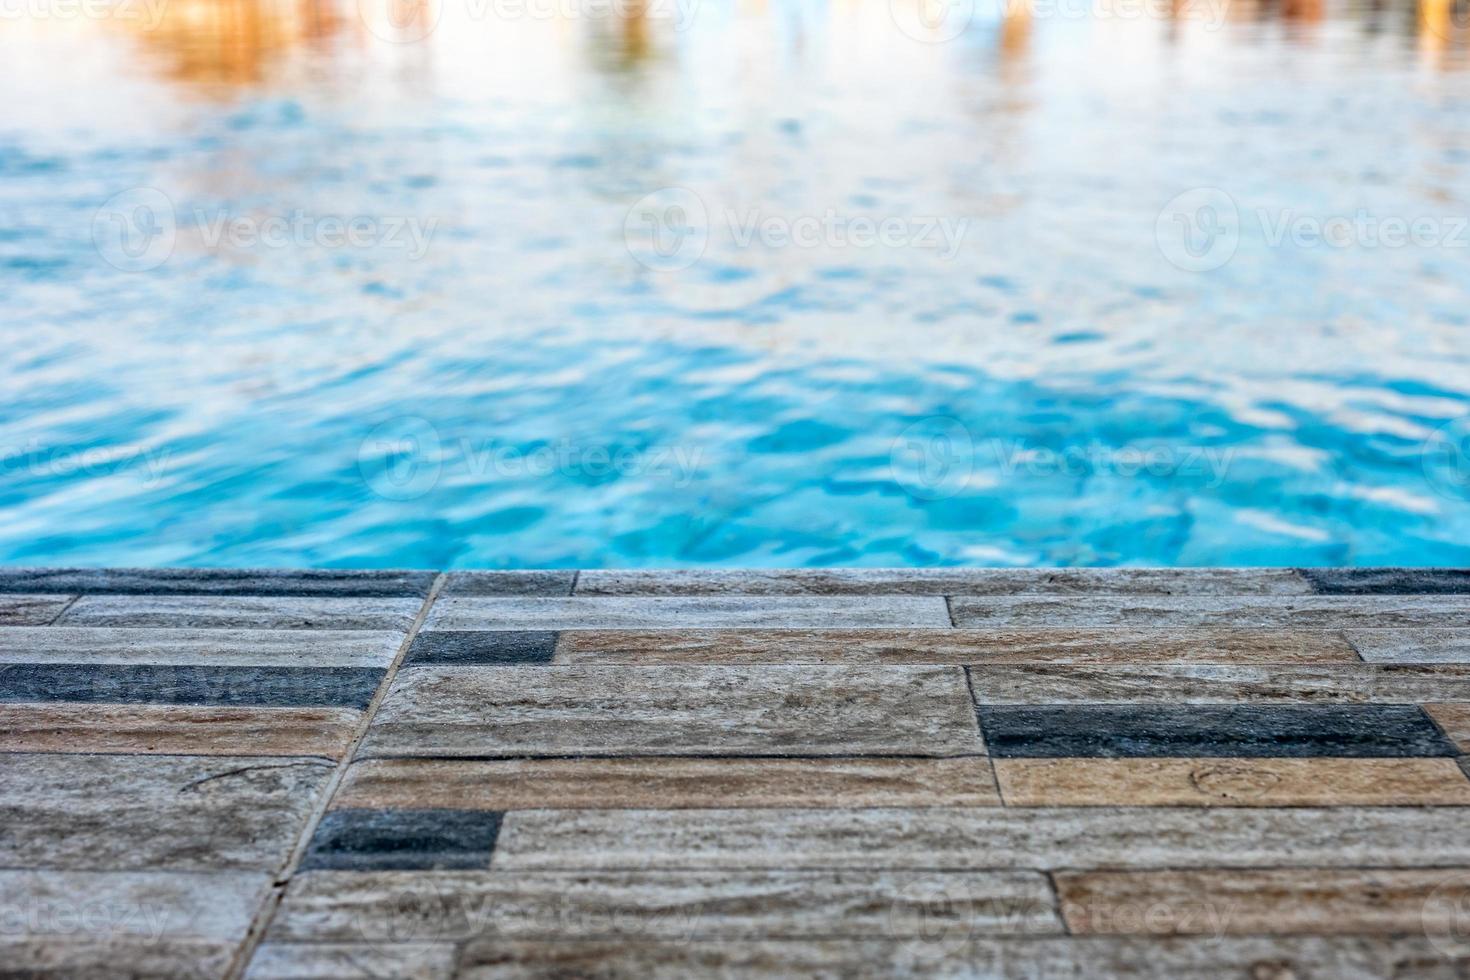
column 555, row 283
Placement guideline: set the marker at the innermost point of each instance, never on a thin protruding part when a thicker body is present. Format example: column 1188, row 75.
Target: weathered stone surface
column 1388, row 581
column 513, row 583
column 1219, row 684
column 176, row 729
column 403, row 840
column 947, row 956
column 338, row 687
column 1446, row 646
column 1214, row 731
column 338, row 906
column 945, row 581
column 352, row 961
column 217, row 581
column 463, row 648
column 225, row 612
column 1232, row 782
column 1454, row 720
column 72, row 959
column 31, row 610
column 983, row 838
column 459, row 711
column 674, row 612
column 1193, row 612
column 235, row 648
column 669, row 782
column 154, row 812
column 99, row 906
column 1294, row 901
column 956, row 646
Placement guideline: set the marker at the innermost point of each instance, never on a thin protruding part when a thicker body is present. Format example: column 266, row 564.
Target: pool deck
column 1058, row 773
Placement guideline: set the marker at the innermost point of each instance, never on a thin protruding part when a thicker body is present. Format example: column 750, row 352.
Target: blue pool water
column 791, row 284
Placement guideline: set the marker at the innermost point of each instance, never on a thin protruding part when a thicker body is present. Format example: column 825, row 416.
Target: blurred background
column 516, row 283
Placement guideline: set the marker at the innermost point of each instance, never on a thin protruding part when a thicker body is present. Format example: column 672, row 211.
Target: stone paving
column 1200, row 773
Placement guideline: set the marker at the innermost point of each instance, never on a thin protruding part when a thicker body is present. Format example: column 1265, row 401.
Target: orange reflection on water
column 234, row 42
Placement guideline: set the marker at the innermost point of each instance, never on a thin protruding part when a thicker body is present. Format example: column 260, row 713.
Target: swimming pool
column 482, row 284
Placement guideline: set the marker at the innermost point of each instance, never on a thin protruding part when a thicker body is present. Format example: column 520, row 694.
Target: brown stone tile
column 1219, row 684
column 360, row 960
column 1232, row 782
column 668, row 782
column 31, row 610
column 1454, row 720
column 1289, row 901
column 155, row 729
column 955, row 646
column 1195, row 612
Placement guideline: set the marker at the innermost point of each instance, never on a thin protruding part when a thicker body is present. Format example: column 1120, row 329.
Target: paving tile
column 176, row 729
column 1388, row 581
column 945, row 581
column 1232, row 782
column 98, row 906
column 352, row 961
column 1210, row 731
column 226, row 612
column 1454, row 720
column 238, row 648
column 196, row 813
column 1449, row 646
column 1219, row 684
column 31, row 610
column 955, row 646
column 517, row 583
column 668, row 782
column 670, row 612
column 957, row 957
column 403, row 840
column 777, row 710
column 217, row 581
column 1291, row 901
column 109, row 959
column 1192, row 612
column 465, row 647
column 338, row 906
column 338, row 687
column 983, row 838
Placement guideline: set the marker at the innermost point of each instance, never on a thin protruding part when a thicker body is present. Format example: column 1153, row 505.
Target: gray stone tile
column 99, row 906
column 553, row 582
column 219, row 813
column 1186, row 612
column 226, row 612
column 1219, row 684
column 402, row 840
column 31, row 610
column 1447, row 646
column 73, row 959
column 1209, row 731
column 352, row 961
column 336, row 687
column 342, row 906
column 983, row 838
column 1388, row 581
column 673, row 612
column 945, row 581
column 470, row 711
column 485, row 647
column 236, row 648
column 217, row 581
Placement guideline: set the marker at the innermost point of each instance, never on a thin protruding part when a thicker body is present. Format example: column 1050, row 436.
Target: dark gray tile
column 468, row 647
column 338, row 687
column 403, row 840
column 217, row 581
column 550, row 582
column 1210, row 731
column 1388, row 581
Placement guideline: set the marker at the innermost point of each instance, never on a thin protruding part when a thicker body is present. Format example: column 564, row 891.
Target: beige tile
column 689, row 612
column 176, row 729
column 70, row 959
column 1232, row 782
column 458, row 711
column 1454, row 720
column 352, row 961
column 1410, row 646
column 1291, row 901
column 955, row 646
column 1194, row 612
column 668, row 782
column 212, row 647
column 1219, row 684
